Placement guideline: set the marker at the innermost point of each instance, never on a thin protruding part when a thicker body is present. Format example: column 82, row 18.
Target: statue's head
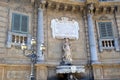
column 66, row 39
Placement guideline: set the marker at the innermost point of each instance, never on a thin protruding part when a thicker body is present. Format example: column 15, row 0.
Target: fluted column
column 40, row 34
column 92, row 41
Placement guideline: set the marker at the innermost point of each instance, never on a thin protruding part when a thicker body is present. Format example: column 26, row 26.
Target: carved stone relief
column 17, row 75
column 64, row 28
column 111, row 72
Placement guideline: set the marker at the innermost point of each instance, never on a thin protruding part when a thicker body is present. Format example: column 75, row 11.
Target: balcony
column 107, row 44
column 16, row 39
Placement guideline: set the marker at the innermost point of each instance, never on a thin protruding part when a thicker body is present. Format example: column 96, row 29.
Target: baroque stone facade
column 97, row 47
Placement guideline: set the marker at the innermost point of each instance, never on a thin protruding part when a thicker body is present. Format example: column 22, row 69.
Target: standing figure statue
column 67, row 57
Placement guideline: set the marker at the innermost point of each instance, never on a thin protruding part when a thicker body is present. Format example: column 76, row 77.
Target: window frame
column 12, row 23
column 115, row 38
column 9, row 42
column 98, row 31
column 107, row 18
column 100, row 34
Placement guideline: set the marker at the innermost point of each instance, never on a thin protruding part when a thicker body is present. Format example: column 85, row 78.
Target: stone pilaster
column 40, row 34
column 92, row 42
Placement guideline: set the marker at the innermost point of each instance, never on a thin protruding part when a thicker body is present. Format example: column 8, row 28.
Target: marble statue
column 67, row 57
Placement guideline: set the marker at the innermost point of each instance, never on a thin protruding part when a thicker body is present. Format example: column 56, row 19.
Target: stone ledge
column 70, row 69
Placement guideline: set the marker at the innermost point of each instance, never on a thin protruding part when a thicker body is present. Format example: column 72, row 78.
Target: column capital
column 41, row 6
column 90, row 8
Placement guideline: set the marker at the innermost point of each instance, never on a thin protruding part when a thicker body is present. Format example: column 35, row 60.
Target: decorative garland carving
column 21, row 8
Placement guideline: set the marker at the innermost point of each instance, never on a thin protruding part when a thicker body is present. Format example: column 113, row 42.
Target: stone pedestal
column 41, row 72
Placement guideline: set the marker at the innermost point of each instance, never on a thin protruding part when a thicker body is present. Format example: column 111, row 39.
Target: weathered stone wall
column 110, row 72
column 15, row 66
column 12, row 55
column 54, row 46
column 107, row 54
column 42, row 72
column 3, row 27
column 14, row 72
column 108, row 68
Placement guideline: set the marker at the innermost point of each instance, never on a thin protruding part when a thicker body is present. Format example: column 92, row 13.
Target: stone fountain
column 66, row 67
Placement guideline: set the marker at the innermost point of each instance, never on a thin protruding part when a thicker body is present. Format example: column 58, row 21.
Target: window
column 105, row 29
column 19, row 31
column 19, row 23
column 106, row 36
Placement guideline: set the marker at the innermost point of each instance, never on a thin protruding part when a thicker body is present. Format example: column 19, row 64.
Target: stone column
column 92, row 41
column 40, row 34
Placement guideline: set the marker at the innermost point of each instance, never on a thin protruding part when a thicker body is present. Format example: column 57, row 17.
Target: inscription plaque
column 64, row 28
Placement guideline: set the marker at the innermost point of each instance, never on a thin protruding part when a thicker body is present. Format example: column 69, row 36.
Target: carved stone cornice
column 97, row 11
column 22, row 8
column 118, row 9
column 71, row 2
column 73, row 8
column 112, row 10
column 93, row 6
column 109, row 3
column 81, row 9
column 63, row 6
column 57, row 6
column 104, row 9
column 49, row 5
column 91, row 1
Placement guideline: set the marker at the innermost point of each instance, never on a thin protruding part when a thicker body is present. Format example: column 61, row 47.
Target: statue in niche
column 67, row 57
